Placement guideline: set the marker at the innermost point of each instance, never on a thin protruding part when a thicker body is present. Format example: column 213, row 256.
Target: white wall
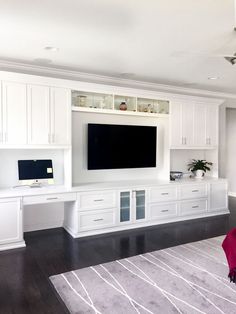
column 79, row 144
column 9, row 158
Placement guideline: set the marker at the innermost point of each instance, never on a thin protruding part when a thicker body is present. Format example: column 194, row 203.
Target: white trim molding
column 55, row 72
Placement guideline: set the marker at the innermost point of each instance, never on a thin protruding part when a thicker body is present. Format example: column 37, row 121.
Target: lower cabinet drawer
column 96, row 220
column 96, row 200
column 49, row 198
column 163, row 194
column 162, row 211
column 193, row 191
column 193, row 207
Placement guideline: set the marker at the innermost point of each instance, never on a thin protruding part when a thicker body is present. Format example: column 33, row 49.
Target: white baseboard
column 42, row 226
column 233, row 194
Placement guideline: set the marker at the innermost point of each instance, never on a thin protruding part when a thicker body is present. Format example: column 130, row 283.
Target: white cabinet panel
column 187, row 123
column 212, row 125
column 1, row 117
column 163, row 194
column 193, row 207
column 60, row 116
column 97, row 200
column 200, row 125
column 193, row 191
column 14, row 113
column 218, row 196
column 38, row 114
column 163, row 211
column 96, row 220
column 175, row 124
column 10, row 221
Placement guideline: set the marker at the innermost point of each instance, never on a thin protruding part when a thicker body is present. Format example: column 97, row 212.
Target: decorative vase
column 199, row 174
column 123, row 105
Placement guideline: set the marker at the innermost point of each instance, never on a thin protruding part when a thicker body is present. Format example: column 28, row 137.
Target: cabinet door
column 38, row 114
column 140, row 205
column 10, row 221
column 187, row 124
column 218, row 196
column 14, row 113
column 60, row 116
column 125, row 207
column 200, row 125
column 212, row 125
column 176, row 124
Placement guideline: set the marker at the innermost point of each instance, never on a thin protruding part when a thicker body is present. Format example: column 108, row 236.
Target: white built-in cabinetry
column 11, row 232
column 193, row 125
column 34, row 115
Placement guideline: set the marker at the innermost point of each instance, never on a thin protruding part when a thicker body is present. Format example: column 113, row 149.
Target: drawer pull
column 165, row 193
column 195, row 190
column 164, row 210
column 52, row 198
column 99, row 219
column 99, row 200
column 196, row 206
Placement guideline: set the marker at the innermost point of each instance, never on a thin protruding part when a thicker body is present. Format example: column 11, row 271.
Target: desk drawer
column 162, row 211
column 97, row 200
column 163, row 194
column 193, row 207
column 49, row 198
column 96, row 220
column 193, row 191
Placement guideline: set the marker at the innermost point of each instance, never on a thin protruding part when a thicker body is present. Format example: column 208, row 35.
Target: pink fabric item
column 229, row 246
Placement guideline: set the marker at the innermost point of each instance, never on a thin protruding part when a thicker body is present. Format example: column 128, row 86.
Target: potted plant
column 199, row 167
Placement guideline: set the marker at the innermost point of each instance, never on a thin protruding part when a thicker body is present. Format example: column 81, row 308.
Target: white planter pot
column 199, row 174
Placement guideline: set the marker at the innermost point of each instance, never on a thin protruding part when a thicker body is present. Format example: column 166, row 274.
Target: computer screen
column 35, row 169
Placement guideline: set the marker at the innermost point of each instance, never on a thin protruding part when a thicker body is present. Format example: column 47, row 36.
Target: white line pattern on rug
column 187, row 279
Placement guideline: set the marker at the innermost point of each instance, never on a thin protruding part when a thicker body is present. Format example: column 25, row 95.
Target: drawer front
column 97, row 200
column 193, row 207
column 163, row 194
column 162, row 211
column 49, row 198
column 193, row 191
column 96, row 220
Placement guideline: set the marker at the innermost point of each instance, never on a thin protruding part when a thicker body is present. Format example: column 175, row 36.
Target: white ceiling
column 160, row 41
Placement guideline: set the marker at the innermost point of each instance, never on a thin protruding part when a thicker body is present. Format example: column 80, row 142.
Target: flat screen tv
column 121, row 146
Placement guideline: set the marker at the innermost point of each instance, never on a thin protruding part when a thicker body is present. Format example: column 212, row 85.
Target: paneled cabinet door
column 175, row 124
column 187, row 124
column 218, row 196
column 14, row 113
column 38, row 114
column 200, row 125
column 125, row 207
column 212, row 125
column 10, row 221
column 60, row 116
column 140, row 205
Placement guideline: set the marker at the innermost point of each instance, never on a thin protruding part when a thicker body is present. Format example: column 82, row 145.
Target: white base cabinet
column 11, row 234
column 100, row 211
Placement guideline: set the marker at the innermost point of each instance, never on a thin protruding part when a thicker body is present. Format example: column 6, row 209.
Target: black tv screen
column 121, row 146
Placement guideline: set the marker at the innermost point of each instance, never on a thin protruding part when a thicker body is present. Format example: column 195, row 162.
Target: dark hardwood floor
column 24, row 273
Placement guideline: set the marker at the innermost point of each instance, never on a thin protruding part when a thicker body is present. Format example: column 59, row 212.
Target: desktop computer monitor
column 35, row 172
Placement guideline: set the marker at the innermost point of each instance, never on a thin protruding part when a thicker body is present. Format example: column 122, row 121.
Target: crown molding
column 26, row 68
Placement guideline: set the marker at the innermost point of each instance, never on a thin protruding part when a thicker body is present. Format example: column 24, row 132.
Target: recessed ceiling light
column 50, row 48
column 213, row 78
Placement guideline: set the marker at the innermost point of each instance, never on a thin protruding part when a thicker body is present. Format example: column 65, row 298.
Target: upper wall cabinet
column 193, row 125
column 38, row 114
column 13, row 128
column 49, row 115
column 34, row 115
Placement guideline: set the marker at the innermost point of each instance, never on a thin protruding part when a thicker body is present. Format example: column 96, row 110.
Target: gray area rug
column 190, row 278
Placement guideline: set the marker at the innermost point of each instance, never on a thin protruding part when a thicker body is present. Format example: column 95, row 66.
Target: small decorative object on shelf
column 82, row 101
column 199, row 167
column 123, row 106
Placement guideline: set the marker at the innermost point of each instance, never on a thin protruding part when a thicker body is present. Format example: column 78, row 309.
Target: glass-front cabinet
column 132, row 206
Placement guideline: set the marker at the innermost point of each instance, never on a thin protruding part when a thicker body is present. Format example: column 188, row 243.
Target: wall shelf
column 110, row 104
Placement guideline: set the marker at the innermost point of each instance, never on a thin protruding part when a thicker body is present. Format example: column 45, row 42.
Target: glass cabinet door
column 125, row 209
column 140, row 204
